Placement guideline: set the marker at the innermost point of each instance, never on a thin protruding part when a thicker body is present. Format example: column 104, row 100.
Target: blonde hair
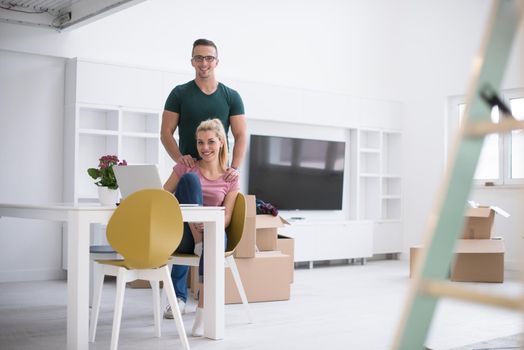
column 216, row 126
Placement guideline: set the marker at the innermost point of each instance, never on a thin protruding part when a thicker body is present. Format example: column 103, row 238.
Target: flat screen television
column 295, row 173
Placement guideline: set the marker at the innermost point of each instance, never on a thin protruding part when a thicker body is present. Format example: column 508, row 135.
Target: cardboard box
column 475, row 260
column 266, row 277
column 267, row 239
column 479, row 222
column 270, row 221
column 246, row 246
column 140, row 284
column 260, row 231
column 286, row 245
column 266, row 234
column 479, row 260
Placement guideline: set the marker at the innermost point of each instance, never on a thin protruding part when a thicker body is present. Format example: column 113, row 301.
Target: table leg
column 77, row 282
column 214, row 278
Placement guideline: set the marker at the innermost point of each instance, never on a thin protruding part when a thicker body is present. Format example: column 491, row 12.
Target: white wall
column 31, row 119
column 416, row 52
column 334, row 45
column 440, row 38
column 439, row 41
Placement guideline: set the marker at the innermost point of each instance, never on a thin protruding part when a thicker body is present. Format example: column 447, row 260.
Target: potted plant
column 105, row 179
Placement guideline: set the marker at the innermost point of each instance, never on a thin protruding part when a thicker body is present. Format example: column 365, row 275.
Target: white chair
column 98, row 252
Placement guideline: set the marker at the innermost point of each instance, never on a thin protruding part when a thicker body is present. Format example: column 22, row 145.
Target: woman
column 203, row 184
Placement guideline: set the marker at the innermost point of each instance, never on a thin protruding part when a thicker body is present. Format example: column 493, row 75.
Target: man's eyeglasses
column 200, row 59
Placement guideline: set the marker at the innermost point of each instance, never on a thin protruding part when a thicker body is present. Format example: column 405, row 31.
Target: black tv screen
column 295, row 173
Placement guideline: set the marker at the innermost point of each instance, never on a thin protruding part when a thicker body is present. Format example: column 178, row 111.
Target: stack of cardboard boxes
column 264, row 260
column 479, row 257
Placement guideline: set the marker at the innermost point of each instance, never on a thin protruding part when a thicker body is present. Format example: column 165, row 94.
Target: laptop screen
column 131, row 178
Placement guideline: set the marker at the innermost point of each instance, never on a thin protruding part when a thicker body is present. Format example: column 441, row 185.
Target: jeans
column 188, row 191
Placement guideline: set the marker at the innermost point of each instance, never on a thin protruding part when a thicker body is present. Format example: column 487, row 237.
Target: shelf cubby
column 140, row 122
column 391, row 208
column 140, row 150
column 369, row 139
column 379, row 186
column 391, row 186
column 98, row 119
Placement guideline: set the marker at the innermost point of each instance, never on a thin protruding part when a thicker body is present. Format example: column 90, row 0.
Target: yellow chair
column 144, row 229
column 234, row 235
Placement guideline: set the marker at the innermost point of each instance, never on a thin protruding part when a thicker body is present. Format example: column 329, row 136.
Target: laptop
column 131, row 178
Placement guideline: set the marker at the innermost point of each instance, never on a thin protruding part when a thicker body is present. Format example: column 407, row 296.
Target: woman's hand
column 199, row 226
column 197, row 230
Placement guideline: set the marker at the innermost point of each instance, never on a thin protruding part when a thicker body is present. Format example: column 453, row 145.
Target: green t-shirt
column 194, row 106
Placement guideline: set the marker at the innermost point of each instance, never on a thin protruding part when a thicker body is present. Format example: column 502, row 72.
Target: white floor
column 331, row 307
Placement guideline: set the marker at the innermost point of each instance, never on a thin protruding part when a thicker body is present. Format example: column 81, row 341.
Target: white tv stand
column 318, row 240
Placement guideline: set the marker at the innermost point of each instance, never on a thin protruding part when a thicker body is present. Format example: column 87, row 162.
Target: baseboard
column 32, row 275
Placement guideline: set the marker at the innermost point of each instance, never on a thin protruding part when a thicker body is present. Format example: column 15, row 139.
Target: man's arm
column 239, row 130
column 169, row 125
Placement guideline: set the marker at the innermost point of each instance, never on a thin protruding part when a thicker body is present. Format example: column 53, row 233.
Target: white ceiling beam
column 63, row 14
column 85, row 12
column 43, row 20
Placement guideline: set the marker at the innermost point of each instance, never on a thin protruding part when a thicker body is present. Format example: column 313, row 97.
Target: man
column 198, row 100
column 186, row 106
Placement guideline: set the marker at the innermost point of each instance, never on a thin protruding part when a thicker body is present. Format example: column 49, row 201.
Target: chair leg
column 156, row 306
column 163, row 294
column 98, row 283
column 95, row 269
column 169, row 289
column 92, row 279
column 238, row 282
column 119, row 301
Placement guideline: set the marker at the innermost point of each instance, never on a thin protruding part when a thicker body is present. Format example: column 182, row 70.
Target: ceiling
column 59, row 14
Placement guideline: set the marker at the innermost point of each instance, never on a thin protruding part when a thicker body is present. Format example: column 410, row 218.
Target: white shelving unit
column 93, row 129
column 109, row 110
column 132, row 135
column 375, row 225
column 379, row 186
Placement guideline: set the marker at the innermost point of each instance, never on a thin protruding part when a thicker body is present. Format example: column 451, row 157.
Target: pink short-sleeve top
column 213, row 191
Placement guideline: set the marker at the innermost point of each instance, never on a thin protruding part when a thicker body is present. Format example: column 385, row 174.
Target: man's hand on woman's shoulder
column 231, row 174
column 187, row 160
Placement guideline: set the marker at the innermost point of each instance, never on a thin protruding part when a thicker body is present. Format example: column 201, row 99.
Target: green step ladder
column 445, row 223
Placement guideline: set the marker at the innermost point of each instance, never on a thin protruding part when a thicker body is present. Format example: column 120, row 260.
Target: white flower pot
column 107, row 196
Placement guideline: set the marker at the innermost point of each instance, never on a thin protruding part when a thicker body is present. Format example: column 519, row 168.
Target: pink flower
column 104, row 175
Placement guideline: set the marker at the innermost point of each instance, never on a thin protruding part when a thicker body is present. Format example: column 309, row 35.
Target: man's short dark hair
column 204, row 42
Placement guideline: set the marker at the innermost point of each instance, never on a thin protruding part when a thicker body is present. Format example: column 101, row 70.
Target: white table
column 79, row 217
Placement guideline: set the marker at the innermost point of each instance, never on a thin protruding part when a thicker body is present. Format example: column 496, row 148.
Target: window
column 517, row 140
column 489, row 165
column 501, row 161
